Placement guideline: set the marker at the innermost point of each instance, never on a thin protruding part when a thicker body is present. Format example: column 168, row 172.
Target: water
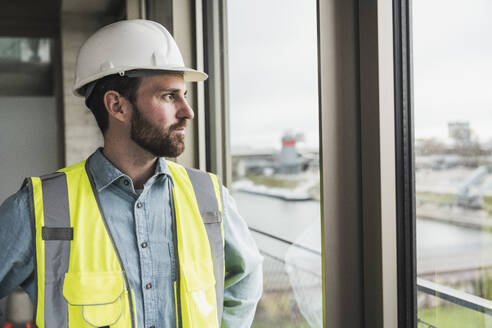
column 445, row 247
column 283, row 219
column 291, row 274
column 441, row 246
column 444, row 239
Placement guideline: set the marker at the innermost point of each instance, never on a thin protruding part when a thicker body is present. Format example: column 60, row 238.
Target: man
column 126, row 238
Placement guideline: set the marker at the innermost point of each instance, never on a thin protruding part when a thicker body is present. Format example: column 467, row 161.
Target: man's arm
column 16, row 255
column 243, row 265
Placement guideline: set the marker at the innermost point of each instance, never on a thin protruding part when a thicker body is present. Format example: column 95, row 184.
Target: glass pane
column 25, row 66
column 453, row 147
column 275, row 153
column 25, row 50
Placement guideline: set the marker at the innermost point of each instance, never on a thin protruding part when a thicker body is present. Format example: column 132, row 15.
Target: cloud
column 272, row 70
column 452, row 66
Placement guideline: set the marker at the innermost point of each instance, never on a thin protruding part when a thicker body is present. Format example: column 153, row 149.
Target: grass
column 487, row 203
column 453, row 316
column 277, row 309
column 434, row 197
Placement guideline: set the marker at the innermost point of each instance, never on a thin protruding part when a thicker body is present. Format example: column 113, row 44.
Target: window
column 25, row 66
column 453, row 148
column 273, row 96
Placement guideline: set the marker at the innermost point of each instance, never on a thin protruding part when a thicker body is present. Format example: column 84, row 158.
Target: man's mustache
column 178, row 125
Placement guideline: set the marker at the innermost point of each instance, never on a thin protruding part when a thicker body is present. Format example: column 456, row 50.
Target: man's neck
column 132, row 160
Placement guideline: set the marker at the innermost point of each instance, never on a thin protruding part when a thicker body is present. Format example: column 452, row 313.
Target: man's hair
column 124, row 85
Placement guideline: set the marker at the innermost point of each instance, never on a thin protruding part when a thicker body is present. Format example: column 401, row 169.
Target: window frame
column 405, row 168
column 216, row 93
column 357, row 152
column 378, row 182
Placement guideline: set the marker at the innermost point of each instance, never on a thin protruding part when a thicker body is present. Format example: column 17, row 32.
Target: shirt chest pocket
column 97, row 299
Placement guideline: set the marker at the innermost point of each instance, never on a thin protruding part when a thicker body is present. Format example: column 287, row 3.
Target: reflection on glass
column 275, row 153
column 25, row 67
column 453, row 163
column 25, row 50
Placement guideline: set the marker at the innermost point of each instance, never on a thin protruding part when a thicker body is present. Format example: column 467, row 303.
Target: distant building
column 460, row 132
column 289, row 161
column 267, row 162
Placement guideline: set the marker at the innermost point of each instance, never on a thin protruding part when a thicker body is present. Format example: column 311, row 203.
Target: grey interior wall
column 29, row 142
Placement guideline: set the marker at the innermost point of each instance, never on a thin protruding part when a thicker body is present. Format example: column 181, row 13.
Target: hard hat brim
column 189, row 75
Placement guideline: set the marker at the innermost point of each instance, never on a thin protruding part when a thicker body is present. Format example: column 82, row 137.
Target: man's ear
column 117, row 106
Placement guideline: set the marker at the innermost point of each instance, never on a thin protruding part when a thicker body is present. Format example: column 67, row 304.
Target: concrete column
column 183, row 31
column 82, row 136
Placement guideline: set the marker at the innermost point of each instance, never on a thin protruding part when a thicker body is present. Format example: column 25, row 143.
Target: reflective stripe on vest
column 196, row 280
column 80, row 281
column 206, row 188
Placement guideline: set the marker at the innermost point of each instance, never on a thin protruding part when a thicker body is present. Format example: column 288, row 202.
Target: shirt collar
column 105, row 173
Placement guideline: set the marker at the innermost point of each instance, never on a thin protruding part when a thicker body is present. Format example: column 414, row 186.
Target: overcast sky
column 273, row 68
column 272, row 71
column 452, row 66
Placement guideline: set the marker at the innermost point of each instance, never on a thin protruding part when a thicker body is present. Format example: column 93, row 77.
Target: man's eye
column 168, row 96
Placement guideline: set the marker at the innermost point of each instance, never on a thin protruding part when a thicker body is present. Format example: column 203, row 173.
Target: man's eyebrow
column 169, row 90
column 173, row 90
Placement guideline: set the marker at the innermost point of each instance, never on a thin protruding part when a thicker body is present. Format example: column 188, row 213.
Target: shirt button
column 144, row 245
column 139, row 205
column 126, row 182
column 148, row 286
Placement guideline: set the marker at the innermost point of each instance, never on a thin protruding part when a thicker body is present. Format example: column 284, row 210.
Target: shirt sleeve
column 244, row 270
column 16, row 255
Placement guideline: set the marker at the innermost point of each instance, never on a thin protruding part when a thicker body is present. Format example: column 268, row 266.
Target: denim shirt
column 144, row 237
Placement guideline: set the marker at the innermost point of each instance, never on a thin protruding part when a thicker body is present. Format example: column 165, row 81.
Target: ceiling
column 42, row 18
column 88, row 6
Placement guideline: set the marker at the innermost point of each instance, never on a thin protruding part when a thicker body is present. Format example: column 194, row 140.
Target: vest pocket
column 95, row 299
column 199, row 296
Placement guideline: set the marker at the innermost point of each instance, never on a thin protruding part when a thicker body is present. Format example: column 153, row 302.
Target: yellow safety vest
column 80, row 279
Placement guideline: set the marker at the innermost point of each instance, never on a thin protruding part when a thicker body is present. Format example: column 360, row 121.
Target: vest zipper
column 96, row 195
column 176, row 254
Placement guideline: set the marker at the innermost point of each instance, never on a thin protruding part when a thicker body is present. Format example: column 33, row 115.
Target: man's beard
column 157, row 141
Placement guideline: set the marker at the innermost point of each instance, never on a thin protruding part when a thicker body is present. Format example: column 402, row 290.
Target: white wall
column 29, row 140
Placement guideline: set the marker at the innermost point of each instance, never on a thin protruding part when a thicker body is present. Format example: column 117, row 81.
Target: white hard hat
column 129, row 45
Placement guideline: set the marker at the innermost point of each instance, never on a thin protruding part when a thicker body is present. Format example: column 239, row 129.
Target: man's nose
column 185, row 110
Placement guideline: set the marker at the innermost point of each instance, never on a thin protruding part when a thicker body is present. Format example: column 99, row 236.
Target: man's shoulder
column 74, row 167
column 20, row 199
column 16, row 202
column 199, row 171
column 176, row 166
